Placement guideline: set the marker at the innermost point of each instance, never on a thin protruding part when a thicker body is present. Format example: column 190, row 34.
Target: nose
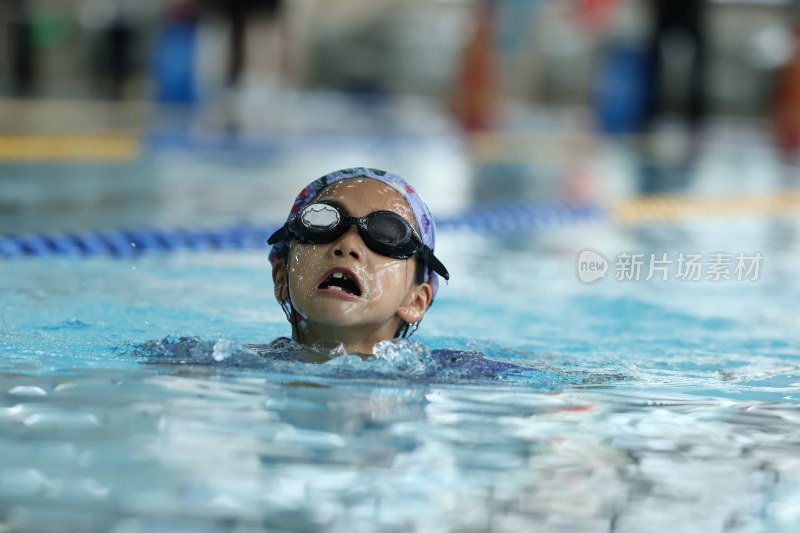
column 349, row 244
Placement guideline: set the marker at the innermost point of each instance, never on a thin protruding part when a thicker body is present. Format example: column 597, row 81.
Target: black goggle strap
column 280, row 235
column 434, row 264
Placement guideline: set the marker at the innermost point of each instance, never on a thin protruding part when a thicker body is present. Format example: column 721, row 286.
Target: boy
column 354, row 263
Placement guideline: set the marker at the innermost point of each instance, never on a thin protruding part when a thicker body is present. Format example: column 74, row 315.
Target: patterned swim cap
column 421, row 212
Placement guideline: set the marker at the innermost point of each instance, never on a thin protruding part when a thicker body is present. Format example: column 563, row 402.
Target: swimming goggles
column 384, row 232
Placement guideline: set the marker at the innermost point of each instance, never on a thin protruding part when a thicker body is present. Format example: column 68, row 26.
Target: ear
column 281, row 283
column 416, row 303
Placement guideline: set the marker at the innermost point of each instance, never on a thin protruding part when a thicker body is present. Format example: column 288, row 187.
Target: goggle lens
column 388, row 229
column 320, row 217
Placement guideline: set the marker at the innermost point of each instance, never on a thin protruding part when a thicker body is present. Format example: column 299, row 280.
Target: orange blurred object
column 595, row 15
column 474, row 98
column 786, row 103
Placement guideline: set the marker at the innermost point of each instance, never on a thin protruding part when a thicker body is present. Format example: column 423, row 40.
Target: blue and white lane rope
column 127, row 243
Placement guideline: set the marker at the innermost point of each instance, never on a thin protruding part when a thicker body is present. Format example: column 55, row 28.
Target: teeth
column 330, row 282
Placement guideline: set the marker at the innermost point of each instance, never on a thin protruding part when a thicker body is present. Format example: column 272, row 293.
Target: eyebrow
column 333, row 202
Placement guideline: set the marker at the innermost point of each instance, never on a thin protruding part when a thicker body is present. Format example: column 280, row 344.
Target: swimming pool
column 641, row 405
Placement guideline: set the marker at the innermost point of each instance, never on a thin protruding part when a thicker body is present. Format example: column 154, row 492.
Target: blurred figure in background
column 678, row 32
column 20, row 40
column 238, row 14
column 116, row 52
column 254, row 54
column 175, row 55
column 786, row 103
column 475, row 92
column 676, row 81
column 116, row 34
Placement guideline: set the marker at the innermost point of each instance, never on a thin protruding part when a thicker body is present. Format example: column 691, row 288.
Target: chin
column 331, row 309
column 336, row 318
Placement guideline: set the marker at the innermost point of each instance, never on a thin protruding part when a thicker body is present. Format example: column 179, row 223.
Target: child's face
column 389, row 293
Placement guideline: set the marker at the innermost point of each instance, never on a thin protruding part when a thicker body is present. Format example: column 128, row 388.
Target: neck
column 356, row 340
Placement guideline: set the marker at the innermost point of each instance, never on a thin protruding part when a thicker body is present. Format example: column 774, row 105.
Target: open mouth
column 341, row 281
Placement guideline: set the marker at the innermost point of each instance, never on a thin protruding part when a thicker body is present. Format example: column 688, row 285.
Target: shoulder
column 280, row 348
column 472, row 361
column 281, row 343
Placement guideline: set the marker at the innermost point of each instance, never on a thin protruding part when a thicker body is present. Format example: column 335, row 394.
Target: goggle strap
column 434, row 264
column 280, row 235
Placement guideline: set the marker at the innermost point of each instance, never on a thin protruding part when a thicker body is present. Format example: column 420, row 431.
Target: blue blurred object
column 621, row 90
column 173, row 64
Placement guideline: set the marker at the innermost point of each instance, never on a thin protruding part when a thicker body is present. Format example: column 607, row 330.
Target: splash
column 221, row 349
column 407, row 360
column 405, row 357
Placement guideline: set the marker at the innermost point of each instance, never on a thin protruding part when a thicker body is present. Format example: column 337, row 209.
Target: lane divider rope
column 128, row 243
column 495, row 219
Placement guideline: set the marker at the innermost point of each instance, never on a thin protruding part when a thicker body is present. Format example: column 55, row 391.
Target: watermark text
column 662, row 266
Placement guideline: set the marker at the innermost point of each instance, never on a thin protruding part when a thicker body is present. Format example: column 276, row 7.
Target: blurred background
column 127, row 113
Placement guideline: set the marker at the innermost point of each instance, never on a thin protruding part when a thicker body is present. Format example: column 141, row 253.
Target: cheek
column 389, row 279
column 302, row 261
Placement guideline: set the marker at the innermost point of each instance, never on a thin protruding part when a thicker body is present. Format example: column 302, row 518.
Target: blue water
column 616, row 406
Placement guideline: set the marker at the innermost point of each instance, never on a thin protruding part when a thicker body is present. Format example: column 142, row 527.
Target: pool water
column 625, row 406
column 640, row 406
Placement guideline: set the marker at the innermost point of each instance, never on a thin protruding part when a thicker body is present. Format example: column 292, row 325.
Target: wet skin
column 389, row 295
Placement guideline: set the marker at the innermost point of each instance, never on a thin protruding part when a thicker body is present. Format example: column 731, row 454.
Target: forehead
column 362, row 196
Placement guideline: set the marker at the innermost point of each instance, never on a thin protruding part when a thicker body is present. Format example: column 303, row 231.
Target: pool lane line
column 99, row 146
column 668, row 208
column 510, row 217
column 498, row 219
column 129, row 243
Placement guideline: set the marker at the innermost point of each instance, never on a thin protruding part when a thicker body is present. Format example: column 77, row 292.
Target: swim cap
column 421, row 212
